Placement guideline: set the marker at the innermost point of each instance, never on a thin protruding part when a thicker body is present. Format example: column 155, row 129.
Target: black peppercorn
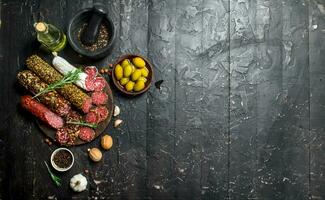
column 62, row 159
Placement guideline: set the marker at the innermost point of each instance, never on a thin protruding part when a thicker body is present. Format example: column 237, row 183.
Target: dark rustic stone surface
column 239, row 114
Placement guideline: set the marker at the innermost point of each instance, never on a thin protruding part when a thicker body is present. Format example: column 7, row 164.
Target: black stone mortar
column 81, row 18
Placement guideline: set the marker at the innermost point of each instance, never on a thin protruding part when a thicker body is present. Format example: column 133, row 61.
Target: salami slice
column 86, row 134
column 62, row 135
column 91, row 71
column 90, row 83
column 99, row 83
column 91, row 117
column 73, row 116
column 102, row 113
column 87, row 105
column 41, row 112
column 99, row 98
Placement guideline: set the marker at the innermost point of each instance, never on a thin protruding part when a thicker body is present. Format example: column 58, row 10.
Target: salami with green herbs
column 64, row 67
column 52, row 99
column 69, row 91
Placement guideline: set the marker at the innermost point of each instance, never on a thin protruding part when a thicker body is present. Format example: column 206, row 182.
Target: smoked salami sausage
column 51, row 99
column 41, row 112
column 69, row 91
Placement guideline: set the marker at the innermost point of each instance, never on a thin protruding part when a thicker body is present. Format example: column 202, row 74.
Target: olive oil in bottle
column 51, row 38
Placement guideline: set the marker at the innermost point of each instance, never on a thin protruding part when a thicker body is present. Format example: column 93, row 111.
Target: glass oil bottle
column 51, row 38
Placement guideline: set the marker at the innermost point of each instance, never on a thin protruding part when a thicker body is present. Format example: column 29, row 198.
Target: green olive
column 129, row 86
column 144, row 72
column 125, row 62
column 139, row 85
column 143, row 79
column 138, row 62
column 136, row 75
column 124, row 81
column 127, row 71
column 133, row 68
column 118, row 72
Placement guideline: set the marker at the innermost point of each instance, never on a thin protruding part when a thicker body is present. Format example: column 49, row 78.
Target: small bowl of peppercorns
column 62, row 159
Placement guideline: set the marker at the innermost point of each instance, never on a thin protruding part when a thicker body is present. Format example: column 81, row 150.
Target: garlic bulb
column 117, row 123
column 78, row 183
column 116, row 110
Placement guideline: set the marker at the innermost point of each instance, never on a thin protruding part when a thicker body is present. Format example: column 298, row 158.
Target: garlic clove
column 116, row 111
column 117, row 123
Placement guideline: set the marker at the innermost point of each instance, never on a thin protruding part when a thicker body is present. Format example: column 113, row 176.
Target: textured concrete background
column 240, row 114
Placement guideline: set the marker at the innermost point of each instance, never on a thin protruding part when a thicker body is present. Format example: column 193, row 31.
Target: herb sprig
column 70, row 77
column 82, row 123
column 55, row 179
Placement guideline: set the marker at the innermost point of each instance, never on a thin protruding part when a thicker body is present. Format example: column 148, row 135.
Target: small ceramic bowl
column 149, row 78
column 57, row 167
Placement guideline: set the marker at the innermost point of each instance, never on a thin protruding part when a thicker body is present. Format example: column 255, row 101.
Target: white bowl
column 57, row 167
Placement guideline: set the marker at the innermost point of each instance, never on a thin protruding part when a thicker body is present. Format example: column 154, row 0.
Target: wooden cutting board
column 50, row 132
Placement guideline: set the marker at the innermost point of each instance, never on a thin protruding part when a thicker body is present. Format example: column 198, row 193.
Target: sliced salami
column 91, row 71
column 73, row 116
column 102, row 113
column 62, row 135
column 87, row 105
column 86, row 134
column 99, row 83
column 90, row 83
column 91, row 117
column 99, row 98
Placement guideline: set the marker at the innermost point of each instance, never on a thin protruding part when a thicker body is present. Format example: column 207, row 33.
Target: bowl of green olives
column 132, row 74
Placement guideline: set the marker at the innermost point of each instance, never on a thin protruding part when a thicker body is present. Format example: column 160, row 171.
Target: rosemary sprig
column 82, row 123
column 70, row 77
column 55, row 179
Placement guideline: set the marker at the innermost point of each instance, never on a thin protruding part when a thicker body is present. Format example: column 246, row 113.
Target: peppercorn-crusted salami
column 41, row 112
column 62, row 135
column 69, row 91
column 99, row 98
column 86, row 134
column 52, row 99
column 73, row 129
